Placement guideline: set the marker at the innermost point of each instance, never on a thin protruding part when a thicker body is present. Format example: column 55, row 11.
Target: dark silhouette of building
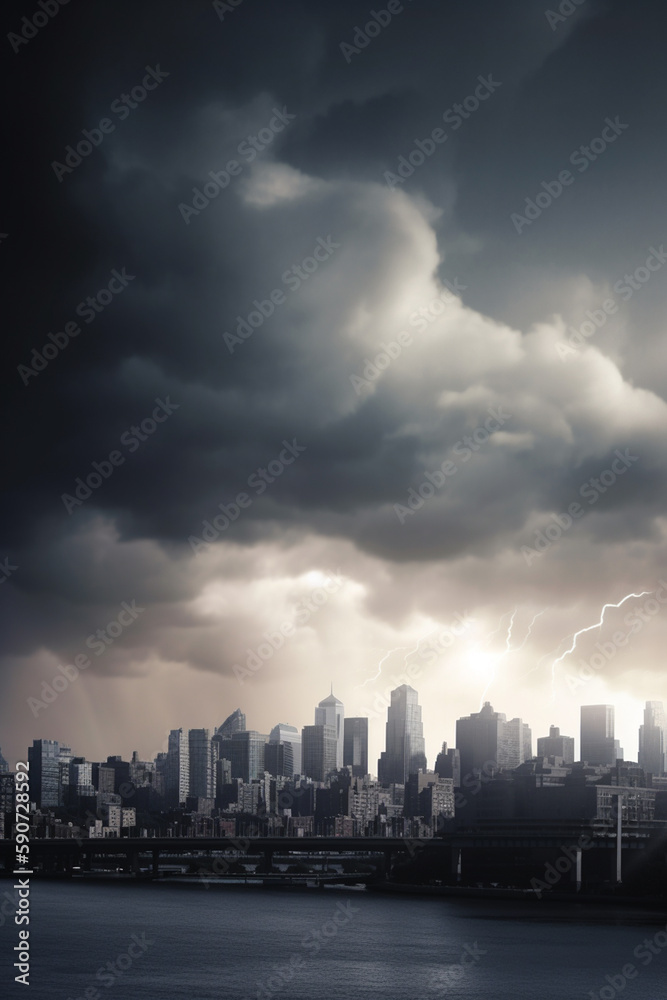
column 355, row 745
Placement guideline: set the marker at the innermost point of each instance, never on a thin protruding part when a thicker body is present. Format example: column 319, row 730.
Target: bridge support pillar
column 456, row 864
column 156, row 862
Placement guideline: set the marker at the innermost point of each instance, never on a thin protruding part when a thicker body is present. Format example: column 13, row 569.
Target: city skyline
column 653, row 714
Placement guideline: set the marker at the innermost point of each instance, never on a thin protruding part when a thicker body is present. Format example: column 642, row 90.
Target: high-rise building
column 81, row 778
column 4, row 766
column 405, row 750
column 202, row 774
column 44, row 762
column 479, row 738
column 355, row 745
column 330, row 712
column 598, row 745
column 234, row 723
column 282, row 733
column 245, row 751
column 448, row 764
column 555, row 745
column 177, row 769
column 516, row 744
column 653, row 739
column 319, row 746
column 279, row 759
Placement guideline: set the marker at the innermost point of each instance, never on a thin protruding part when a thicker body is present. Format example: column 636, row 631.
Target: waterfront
column 165, row 941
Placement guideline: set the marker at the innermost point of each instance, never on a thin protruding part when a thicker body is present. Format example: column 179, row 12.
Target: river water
column 126, row 942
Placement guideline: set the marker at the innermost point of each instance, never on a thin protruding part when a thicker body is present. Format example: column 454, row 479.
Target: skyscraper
column 234, row 723
column 516, row 744
column 448, row 764
column 598, row 745
column 245, row 751
column 405, row 751
column 355, row 745
column 319, row 745
column 44, row 761
column 279, row 759
column 202, row 773
column 479, row 738
column 330, row 712
column 282, row 733
column 177, row 769
column 555, row 745
column 653, row 739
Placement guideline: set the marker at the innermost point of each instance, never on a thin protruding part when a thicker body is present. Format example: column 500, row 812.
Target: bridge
column 598, row 851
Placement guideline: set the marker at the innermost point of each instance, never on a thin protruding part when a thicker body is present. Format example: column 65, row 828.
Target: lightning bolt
column 589, row 628
column 379, row 668
column 530, row 628
column 388, row 654
column 496, row 630
column 508, row 639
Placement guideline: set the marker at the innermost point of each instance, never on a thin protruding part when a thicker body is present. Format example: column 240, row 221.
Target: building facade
column 405, row 749
column 355, row 745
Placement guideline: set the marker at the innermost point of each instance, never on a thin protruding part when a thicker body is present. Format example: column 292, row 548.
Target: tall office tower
column 177, row 769
column 279, row 760
column 4, row 766
column 245, row 751
column 80, row 777
column 555, row 745
column 202, row 774
column 653, row 739
column 448, row 765
column 121, row 770
column 405, row 750
column 355, row 745
column 319, row 746
column 516, row 744
column 44, row 762
column 598, row 745
column 223, row 774
column 479, row 739
column 282, row 733
column 330, row 712
column 234, row 723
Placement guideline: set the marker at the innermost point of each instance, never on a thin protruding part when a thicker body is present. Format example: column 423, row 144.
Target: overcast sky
column 453, row 193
